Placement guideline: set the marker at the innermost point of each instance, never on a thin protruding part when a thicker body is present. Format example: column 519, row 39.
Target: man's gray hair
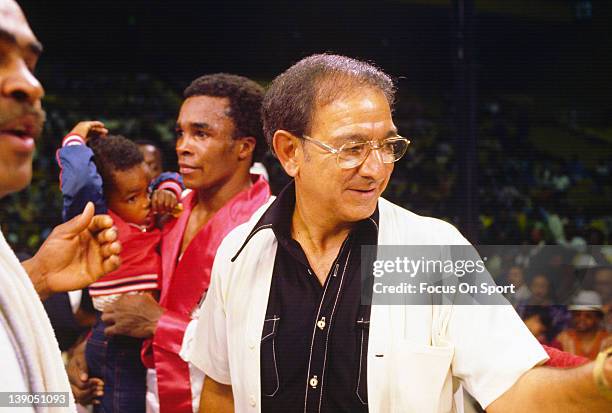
column 315, row 81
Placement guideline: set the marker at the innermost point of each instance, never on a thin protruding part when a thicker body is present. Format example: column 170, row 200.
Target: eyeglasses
column 352, row 154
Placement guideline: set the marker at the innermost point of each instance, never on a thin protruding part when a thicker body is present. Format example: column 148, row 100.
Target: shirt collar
column 278, row 218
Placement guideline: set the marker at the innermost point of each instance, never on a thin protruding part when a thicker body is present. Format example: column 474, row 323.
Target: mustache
column 363, row 182
column 37, row 116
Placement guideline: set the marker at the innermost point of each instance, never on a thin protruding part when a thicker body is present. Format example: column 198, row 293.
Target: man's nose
column 373, row 166
column 22, row 86
column 183, row 145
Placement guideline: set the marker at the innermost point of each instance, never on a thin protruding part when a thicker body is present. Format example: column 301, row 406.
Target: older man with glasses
column 283, row 327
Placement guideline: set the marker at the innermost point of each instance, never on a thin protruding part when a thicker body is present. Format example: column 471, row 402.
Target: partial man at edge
column 73, row 256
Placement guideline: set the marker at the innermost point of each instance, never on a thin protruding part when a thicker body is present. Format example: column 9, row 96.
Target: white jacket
column 417, row 354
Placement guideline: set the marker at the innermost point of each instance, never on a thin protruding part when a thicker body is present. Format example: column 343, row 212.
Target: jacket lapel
column 171, row 243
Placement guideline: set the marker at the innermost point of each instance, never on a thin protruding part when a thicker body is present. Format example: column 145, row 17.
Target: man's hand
column 76, row 254
column 89, row 128
column 163, row 201
column 85, row 389
column 132, row 315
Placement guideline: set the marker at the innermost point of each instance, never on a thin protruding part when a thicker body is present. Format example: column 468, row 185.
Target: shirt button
column 252, row 401
column 313, row 382
column 251, row 345
column 321, row 323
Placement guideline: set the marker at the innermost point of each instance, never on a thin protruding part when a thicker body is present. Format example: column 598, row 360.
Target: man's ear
column 246, row 147
column 288, row 150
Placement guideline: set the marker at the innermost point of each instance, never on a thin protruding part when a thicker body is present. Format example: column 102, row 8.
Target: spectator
column 516, row 277
column 540, row 289
column 538, row 321
column 153, row 158
column 603, row 286
column 586, row 337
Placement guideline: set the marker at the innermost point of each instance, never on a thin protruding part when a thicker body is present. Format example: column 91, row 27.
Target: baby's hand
column 88, row 128
column 164, row 202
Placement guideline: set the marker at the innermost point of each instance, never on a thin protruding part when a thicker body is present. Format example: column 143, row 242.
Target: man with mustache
column 218, row 131
column 283, row 327
column 74, row 255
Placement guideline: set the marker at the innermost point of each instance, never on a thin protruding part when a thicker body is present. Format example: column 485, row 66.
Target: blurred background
column 507, row 103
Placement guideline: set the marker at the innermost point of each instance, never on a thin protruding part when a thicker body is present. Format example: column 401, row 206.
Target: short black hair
column 114, row 153
column 316, row 80
column 529, row 311
column 543, row 313
column 245, row 97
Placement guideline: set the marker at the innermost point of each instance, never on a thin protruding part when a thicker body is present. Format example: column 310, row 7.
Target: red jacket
column 140, row 261
column 183, row 285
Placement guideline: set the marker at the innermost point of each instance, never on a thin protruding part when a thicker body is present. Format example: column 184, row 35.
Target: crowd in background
column 526, row 194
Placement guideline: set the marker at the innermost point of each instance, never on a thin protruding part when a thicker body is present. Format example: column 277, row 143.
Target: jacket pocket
column 270, row 381
column 421, row 379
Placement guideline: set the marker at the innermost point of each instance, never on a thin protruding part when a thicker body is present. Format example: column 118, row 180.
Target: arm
column 135, row 315
column 544, row 389
column 497, row 360
column 80, row 181
column 140, row 316
column 216, row 397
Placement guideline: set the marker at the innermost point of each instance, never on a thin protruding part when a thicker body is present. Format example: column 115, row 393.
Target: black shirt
column 315, row 337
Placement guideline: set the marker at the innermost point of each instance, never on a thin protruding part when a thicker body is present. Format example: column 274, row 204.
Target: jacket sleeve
column 170, row 181
column 80, row 181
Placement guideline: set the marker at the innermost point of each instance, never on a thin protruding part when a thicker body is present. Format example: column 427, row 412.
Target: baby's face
column 129, row 197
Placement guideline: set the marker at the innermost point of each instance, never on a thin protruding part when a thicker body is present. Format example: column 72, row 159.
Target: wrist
column 79, row 347
column 38, row 275
column 152, row 328
column 173, row 187
column 73, row 138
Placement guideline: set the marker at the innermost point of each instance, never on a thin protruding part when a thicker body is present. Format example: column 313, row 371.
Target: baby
column 110, row 171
